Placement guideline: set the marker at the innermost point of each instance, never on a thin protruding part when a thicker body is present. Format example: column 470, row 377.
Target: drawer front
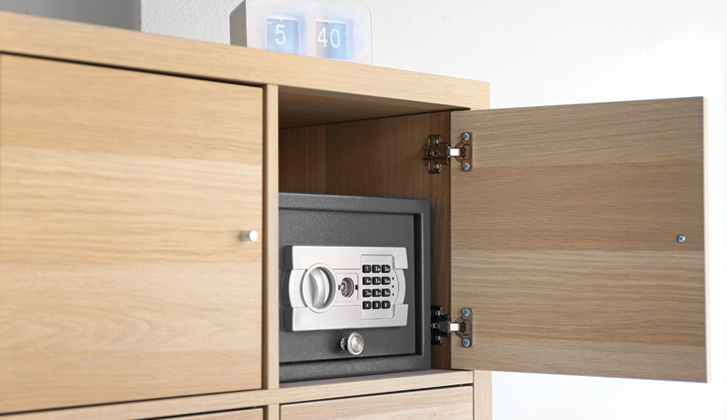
column 122, row 195
column 254, row 414
column 445, row 403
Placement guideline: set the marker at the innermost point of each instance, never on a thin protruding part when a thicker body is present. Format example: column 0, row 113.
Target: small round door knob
column 249, row 236
column 353, row 344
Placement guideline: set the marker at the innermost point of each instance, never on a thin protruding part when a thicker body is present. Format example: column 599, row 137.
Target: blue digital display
column 283, row 35
column 331, row 40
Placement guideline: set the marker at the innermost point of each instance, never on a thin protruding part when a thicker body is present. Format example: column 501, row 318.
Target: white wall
column 119, row 13
column 559, row 52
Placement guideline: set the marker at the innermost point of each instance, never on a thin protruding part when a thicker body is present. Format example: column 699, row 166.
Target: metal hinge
column 437, row 153
column 442, row 326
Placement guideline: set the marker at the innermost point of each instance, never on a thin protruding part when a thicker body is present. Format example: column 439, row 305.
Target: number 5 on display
column 283, row 35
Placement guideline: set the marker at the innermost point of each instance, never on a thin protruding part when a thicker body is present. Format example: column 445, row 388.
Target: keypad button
column 386, row 293
column 386, row 304
column 385, row 268
column 367, row 304
column 376, row 268
column 367, row 281
column 367, row 293
column 377, row 304
column 377, row 292
column 377, row 281
column 386, row 280
column 366, row 268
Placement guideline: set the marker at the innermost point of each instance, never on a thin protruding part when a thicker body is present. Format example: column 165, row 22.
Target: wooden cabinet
column 446, row 403
column 562, row 237
column 122, row 195
column 130, row 164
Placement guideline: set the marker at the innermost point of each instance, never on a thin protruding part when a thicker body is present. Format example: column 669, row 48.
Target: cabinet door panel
column 445, row 403
column 122, row 195
column 564, row 240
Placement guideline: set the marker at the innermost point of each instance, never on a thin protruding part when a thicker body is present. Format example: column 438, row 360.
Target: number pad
column 378, row 292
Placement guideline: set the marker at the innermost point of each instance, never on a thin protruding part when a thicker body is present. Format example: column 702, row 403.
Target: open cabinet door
column 565, row 240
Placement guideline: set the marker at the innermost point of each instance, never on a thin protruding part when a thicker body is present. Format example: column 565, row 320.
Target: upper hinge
column 437, row 153
column 463, row 327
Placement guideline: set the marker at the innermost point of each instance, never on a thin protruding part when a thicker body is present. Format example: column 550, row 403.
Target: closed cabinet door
column 122, row 198
column 444, row 403
column 578, row 240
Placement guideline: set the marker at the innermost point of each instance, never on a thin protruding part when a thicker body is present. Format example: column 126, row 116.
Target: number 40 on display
column 331, row 38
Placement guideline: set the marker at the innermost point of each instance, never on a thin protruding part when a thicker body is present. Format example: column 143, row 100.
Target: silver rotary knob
column 249, row 236
column 353, row 344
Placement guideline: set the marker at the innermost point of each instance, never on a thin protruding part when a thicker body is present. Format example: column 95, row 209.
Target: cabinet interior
column 378, row 158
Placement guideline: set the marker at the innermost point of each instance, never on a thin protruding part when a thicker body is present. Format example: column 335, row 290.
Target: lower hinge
column 463, row 327
column 437, row 153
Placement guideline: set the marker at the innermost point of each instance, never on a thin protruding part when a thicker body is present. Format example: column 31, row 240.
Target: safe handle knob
column 353, row 344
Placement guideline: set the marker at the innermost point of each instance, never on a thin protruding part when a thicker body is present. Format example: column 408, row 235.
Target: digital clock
column 326, row 30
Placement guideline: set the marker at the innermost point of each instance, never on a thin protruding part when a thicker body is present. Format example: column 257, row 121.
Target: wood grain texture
column 379, row 158
column 287, row 393
column 565, row 240
column 369, row 91
column 272, row 412
column 271, row 366
column 252, row 414
column 482, row 389
column 122, row 195
column 446, row 403
column 305, row 107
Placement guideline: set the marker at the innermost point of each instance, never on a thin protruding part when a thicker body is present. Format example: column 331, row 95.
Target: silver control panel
column 333, row 288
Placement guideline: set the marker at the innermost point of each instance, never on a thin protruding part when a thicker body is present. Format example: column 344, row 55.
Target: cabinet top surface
column 64, row 40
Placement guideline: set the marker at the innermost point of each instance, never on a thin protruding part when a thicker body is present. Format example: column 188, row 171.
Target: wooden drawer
column 122, row 195
column 253, row 414
column 444, row 403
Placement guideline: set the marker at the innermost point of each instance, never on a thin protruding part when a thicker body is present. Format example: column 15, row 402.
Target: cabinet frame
column 299, row 92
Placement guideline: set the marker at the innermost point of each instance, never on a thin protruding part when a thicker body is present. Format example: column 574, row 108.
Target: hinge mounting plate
column 463, row 327
column 437, row 153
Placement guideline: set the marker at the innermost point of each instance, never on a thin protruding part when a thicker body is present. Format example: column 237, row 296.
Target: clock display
column 283, row 35
column 304, row 27
column 331, row 40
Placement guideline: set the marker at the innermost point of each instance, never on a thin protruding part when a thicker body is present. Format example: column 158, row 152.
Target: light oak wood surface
column 272, row 412
column 271, row 371
column 305, row 107
column 122, row 195
column 482, row 388
column 287, row 393
column 252, row 414
column 379, row 158
column 446, row 403
column 564, row 240
column 309, row 86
